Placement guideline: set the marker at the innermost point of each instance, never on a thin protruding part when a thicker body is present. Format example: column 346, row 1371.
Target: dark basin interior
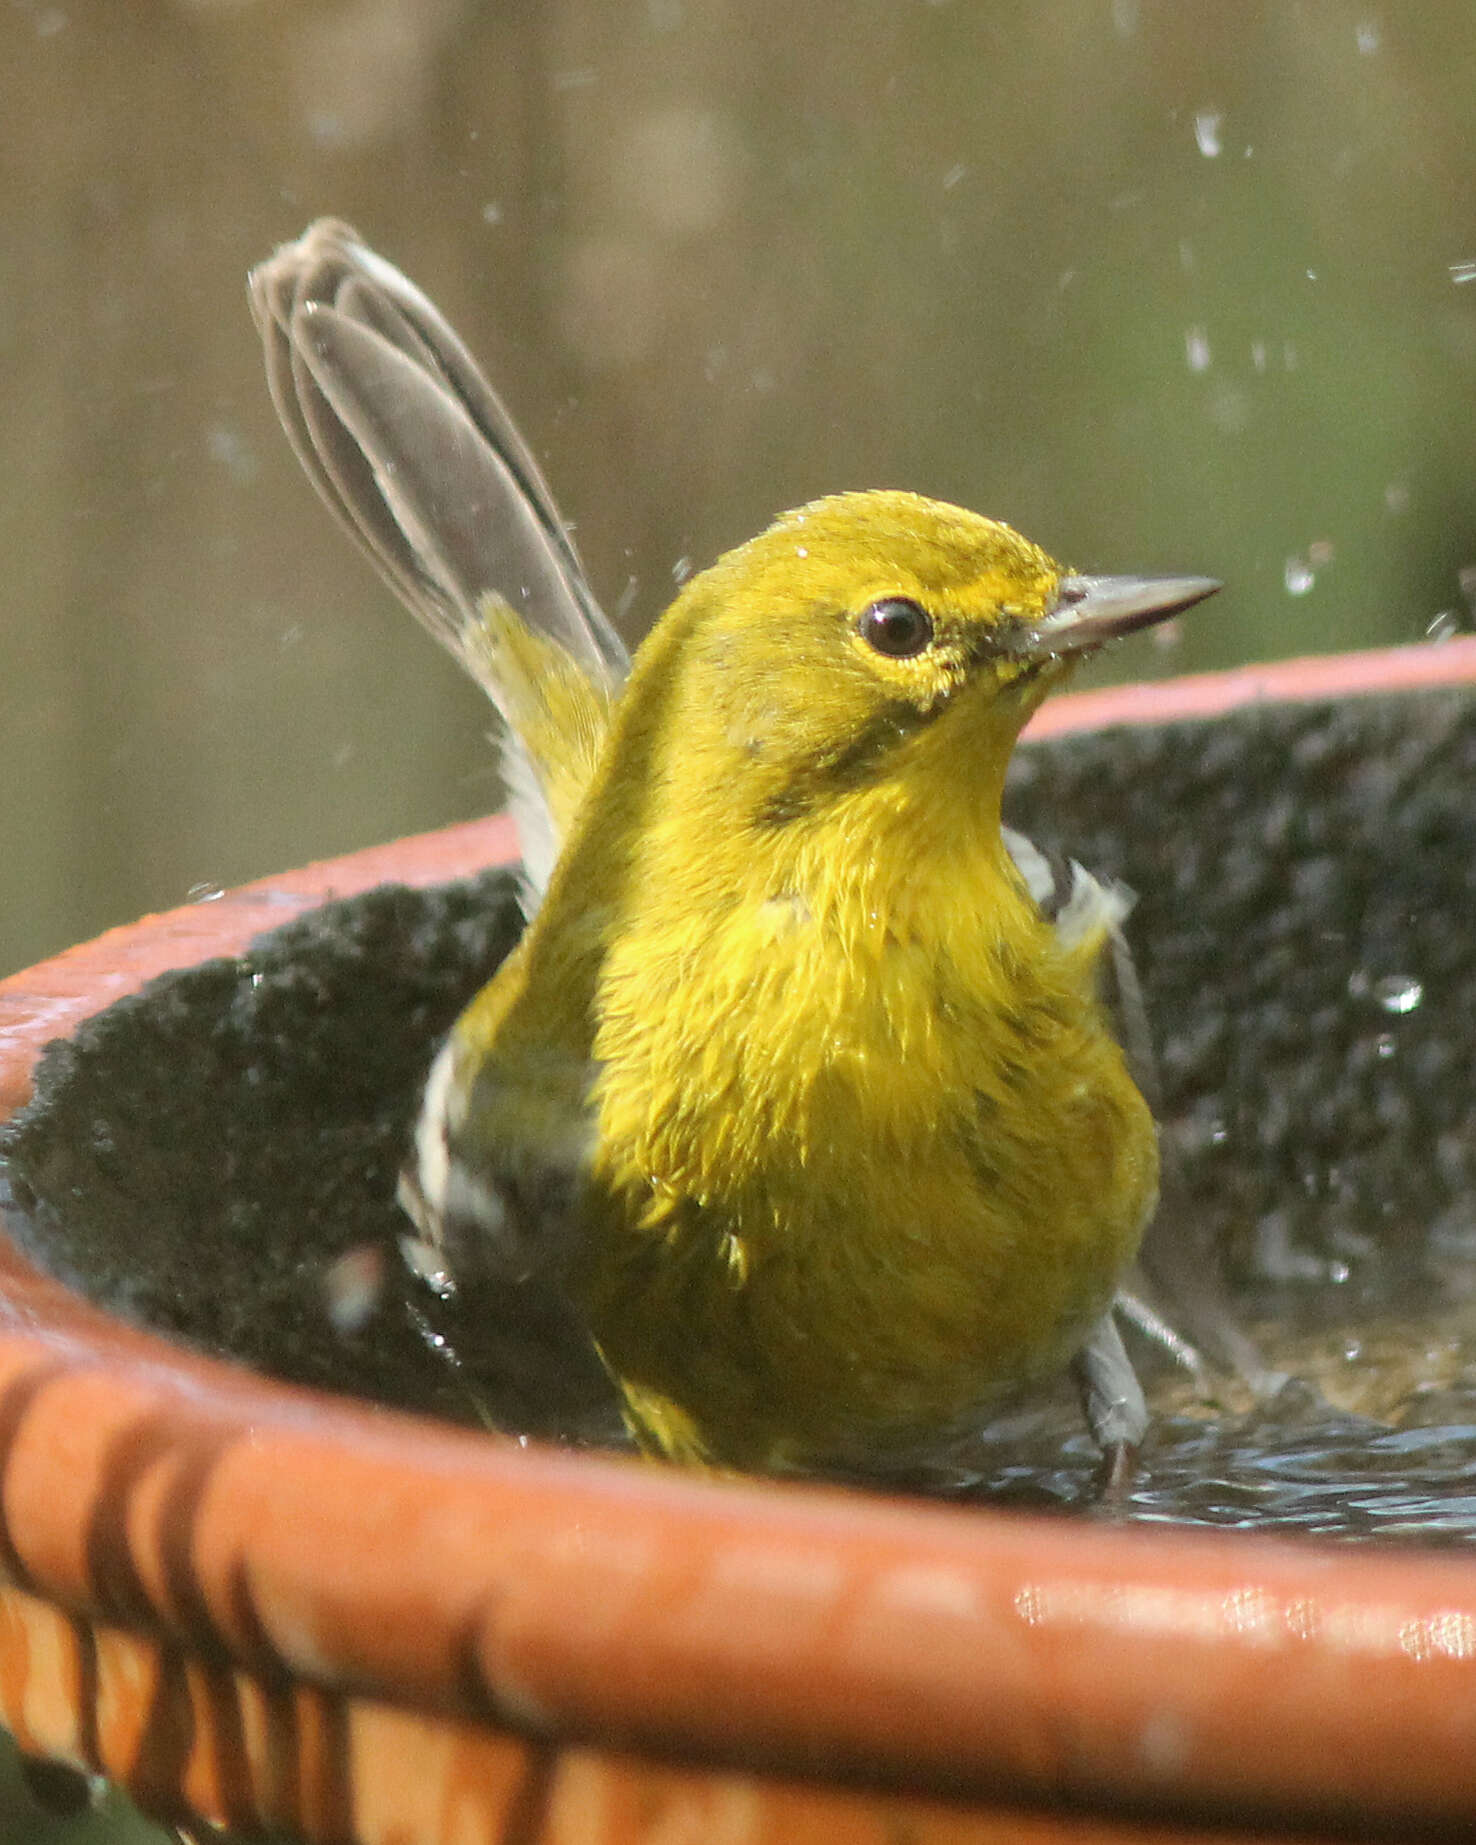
column 216, row 1157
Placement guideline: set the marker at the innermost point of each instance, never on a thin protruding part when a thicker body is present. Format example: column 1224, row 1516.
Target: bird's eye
column 896, row 627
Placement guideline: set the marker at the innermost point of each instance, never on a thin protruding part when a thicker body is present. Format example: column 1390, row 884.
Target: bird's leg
column 1175, row 1291
column 1112, row 1399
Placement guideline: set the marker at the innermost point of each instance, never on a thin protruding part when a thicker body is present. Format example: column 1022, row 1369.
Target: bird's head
column 880, row 646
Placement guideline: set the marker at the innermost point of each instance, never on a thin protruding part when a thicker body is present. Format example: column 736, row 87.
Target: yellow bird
column 792, row 1086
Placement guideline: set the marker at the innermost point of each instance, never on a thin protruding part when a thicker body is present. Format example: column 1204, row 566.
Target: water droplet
column 352, row 1287
column 1197, row 349
column 1125, row 17
column 1443, row 626
column 1384, row 1044
column 681, row 570
column 1311, row 275
column 1258, row 354
column 954, row 174
column 491, row 212
column 230, row 449
column 1463, row 272
column 1207, row 132
column 326, row 128
column 1396, row 497
column 205, row 892
column 1398, row 992
column 1167, row 635
column 1229, row 409
column 1298, row 576
column 802, row 550
column 1367, row 36
column 427, row 1262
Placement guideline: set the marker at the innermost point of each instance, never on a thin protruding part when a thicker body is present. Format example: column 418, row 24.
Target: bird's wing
column 1174, row 1294
column 414, row 452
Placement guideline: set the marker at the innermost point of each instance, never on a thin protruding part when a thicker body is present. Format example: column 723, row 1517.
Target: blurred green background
column 1169, row 286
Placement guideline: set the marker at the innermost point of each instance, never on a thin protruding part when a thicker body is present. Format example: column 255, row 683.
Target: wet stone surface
column 217, row 1157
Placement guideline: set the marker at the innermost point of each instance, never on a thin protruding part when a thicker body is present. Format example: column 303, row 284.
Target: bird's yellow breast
column 861, row 1177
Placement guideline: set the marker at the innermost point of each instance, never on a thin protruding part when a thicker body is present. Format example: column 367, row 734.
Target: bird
column 802, row 1084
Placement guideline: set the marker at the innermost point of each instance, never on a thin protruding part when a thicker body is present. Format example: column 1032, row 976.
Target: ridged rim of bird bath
column 259, row 1605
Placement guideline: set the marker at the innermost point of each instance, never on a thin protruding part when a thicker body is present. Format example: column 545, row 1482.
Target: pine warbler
column 791, row 1086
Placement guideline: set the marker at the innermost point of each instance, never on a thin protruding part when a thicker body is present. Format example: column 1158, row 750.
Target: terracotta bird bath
column 261, row 1604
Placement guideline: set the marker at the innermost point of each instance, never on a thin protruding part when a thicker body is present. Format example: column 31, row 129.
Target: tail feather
column 416, row 456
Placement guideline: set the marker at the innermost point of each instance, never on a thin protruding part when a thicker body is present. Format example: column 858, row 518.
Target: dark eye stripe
column 896, row 627
column 860, row 759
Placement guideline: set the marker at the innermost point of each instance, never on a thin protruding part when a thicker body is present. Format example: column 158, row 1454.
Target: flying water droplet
column 352, row 1286
column 1398, row 993
column 1298, row 576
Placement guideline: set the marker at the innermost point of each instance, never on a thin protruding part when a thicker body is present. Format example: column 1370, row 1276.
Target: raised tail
column 419, row 460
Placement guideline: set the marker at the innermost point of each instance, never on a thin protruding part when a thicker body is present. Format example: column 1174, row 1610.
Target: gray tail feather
column 413, row 450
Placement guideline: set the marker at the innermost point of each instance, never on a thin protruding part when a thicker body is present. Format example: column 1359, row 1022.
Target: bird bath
column 257, row 1600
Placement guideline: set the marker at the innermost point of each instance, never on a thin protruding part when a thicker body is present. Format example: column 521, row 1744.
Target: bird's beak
column 1090, row 611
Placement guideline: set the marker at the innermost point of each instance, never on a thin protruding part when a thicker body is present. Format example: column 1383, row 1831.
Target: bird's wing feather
column 1174, row 1294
